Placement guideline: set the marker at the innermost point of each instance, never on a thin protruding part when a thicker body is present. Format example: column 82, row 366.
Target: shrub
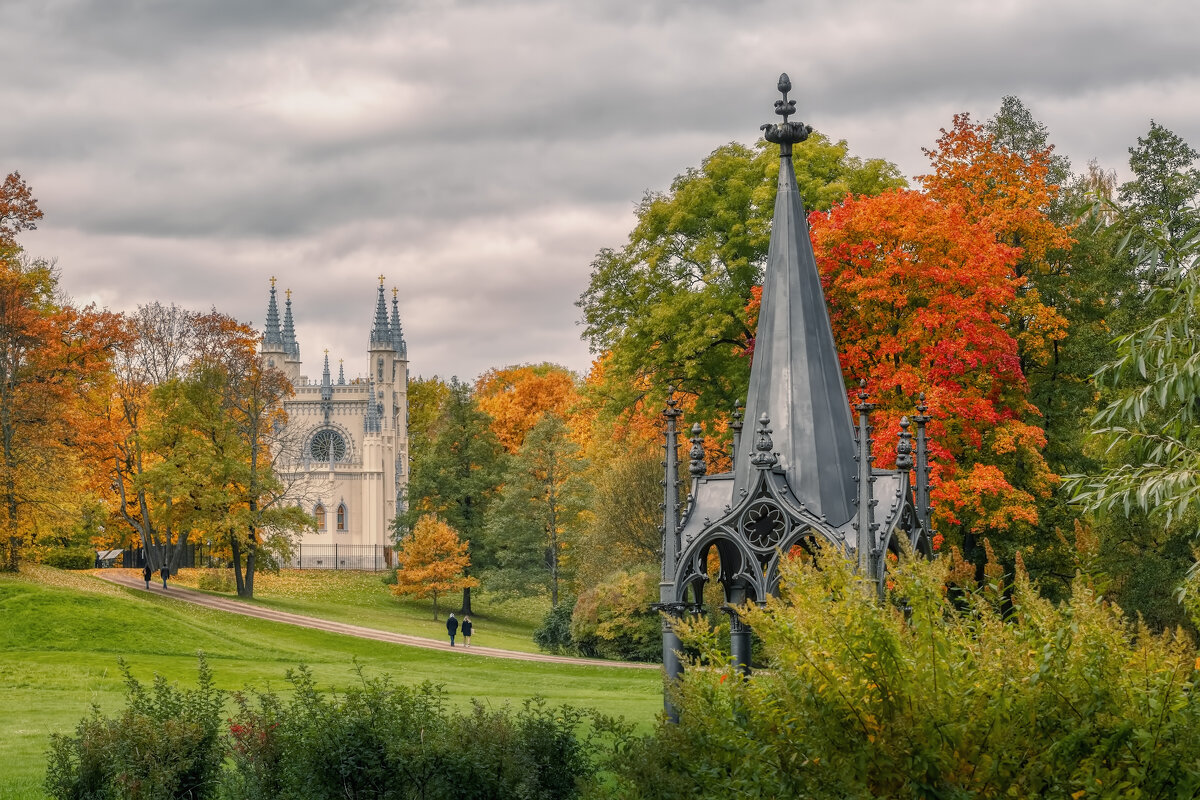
column 165, row 744
column 614, row 619
column 215, row 580
column 69, row 557
column 554, row 634
column 988, row 691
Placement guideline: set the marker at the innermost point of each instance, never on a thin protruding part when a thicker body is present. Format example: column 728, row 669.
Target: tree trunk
column 466, row 603
column 251, row 553
column 236, row 552
column 435, row 606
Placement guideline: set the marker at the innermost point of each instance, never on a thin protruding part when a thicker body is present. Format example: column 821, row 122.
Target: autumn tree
column 917, row 297
column 457, row 475
column 669, row 307
column 52, row 356
column 432, row 561
column 518, row 397
column 537, row 518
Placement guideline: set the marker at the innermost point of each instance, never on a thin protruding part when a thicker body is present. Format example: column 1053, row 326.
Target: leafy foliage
column 432, row 561
column 165, row 744
column 517, row 398
column 991, row 691
column 613, row 619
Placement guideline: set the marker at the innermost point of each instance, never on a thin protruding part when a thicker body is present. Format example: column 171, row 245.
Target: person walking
column 466, row 630
column 451, row 627
column 147, row 574
column 164, row 573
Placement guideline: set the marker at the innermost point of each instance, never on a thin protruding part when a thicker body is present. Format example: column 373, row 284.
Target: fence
column 372, row 557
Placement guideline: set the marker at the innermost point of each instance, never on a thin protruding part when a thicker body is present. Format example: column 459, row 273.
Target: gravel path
column 237, row 607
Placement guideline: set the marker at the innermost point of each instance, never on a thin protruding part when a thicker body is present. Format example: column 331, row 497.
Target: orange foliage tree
column 51, row 357
column 517, row 397
column 432, row 560
column 918, row 297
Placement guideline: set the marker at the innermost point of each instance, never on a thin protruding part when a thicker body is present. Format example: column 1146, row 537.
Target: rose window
column 764, row 526
column 327, row 445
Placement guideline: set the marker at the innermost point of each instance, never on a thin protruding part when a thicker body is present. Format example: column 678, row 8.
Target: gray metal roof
column 795, row 377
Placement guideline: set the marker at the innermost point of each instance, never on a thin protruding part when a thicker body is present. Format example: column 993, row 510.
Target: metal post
column 865, row 539
column 922, row 465
column 739, row 642
column 670, row 533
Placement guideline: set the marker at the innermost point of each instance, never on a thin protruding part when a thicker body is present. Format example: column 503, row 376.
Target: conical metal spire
column 325, row 371
column 341, row 373
column 290, row 345
column 271, row 335
column 796, row 378
column 397, row 332
column 381, row 334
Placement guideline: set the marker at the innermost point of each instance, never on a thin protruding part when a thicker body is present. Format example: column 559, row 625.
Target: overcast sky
column 478, row 154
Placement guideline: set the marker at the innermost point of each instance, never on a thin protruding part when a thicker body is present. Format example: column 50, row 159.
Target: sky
column 479, row 154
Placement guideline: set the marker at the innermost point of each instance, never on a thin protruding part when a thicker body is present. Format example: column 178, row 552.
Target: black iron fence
column 371, row 557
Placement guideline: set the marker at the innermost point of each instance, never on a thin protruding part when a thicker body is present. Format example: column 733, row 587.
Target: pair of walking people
column 148, row 573
column 452, row 628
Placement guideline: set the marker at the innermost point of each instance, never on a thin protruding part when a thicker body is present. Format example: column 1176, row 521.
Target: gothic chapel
column 347, row 440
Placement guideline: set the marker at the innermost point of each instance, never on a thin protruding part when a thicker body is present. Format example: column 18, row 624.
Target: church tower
column 349, row 436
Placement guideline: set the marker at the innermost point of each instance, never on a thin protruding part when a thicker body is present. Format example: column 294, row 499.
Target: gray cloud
column 479, row 154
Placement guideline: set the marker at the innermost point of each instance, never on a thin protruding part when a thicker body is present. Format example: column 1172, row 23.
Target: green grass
column 361, row 598
column 63, row 633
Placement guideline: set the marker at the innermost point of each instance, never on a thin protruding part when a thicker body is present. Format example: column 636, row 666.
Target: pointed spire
column 271, row 335
column 795, row 375
column 341, row 373
column 290, row 345
column 381, row 334
column 325, row 371
column 371, row 418
column 326, row 384
column 397, row 332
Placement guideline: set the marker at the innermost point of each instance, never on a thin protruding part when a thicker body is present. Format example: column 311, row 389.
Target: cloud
column 479, row 154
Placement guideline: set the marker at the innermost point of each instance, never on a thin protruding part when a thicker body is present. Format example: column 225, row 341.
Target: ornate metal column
column 866, row 527
column 670, row 546
column 922, row 466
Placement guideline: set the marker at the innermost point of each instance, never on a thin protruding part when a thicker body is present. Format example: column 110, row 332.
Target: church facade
column 345, row 444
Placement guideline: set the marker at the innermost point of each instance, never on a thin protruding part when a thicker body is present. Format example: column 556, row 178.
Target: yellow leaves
column 431, row 560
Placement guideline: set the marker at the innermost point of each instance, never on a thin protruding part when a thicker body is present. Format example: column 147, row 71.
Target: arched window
column 319, row 513
column 341, row 517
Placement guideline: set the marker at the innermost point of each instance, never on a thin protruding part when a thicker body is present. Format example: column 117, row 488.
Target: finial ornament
column 672, row 410
column 785, row 133
column 904, row 448
column 272, row 281
column 288, row 293
column 395, row 292
column 381, row 279
column 697, row 465
column 763, row 445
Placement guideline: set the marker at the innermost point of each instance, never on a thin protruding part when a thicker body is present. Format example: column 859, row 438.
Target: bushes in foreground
column 972, row 692
column 376, row 740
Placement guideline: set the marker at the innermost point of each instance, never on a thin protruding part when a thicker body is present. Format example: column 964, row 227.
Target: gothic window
column 327, row 445
column 381, row 369
column 341, row 517
column 319, row 513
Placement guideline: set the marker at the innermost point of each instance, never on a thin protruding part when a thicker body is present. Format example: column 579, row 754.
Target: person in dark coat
column 147, row 574
column 164, row 573
column 466, row 631
column 451, row 627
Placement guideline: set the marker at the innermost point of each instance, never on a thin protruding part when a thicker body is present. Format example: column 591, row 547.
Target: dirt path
column 132, row 581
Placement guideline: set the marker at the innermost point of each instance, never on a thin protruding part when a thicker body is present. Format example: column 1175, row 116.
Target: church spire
column 341, row 373
column 381, row 334
column 795, row 377
column 290, row 346
column 271, row 337
column 397, row 332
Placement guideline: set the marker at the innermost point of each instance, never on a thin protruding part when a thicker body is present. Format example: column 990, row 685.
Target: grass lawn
column 63, row 633
column 361, row 598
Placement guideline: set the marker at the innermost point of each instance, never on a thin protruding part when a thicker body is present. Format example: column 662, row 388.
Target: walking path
column 133, row 581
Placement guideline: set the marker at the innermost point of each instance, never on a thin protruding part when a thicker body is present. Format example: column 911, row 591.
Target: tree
column 621, row 530
column 432, row 560
column 1166, row 182
column 517, row 398
column 670, row 306
column 457, row 476
column 917, row 297
column 52, row 357
column 539, row 513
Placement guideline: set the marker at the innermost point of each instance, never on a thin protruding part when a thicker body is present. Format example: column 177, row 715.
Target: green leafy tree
column 457, row 476
column 536, row 521
column 621, row 530
column 1166, row 182
column 670, row 306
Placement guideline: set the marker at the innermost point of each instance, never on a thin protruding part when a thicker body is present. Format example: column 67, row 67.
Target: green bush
column 982, row 692
column 554, row 634
column 614, row 619
column 215, row 580
column 69, row 557
column 165, row 744
column 381, row 740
